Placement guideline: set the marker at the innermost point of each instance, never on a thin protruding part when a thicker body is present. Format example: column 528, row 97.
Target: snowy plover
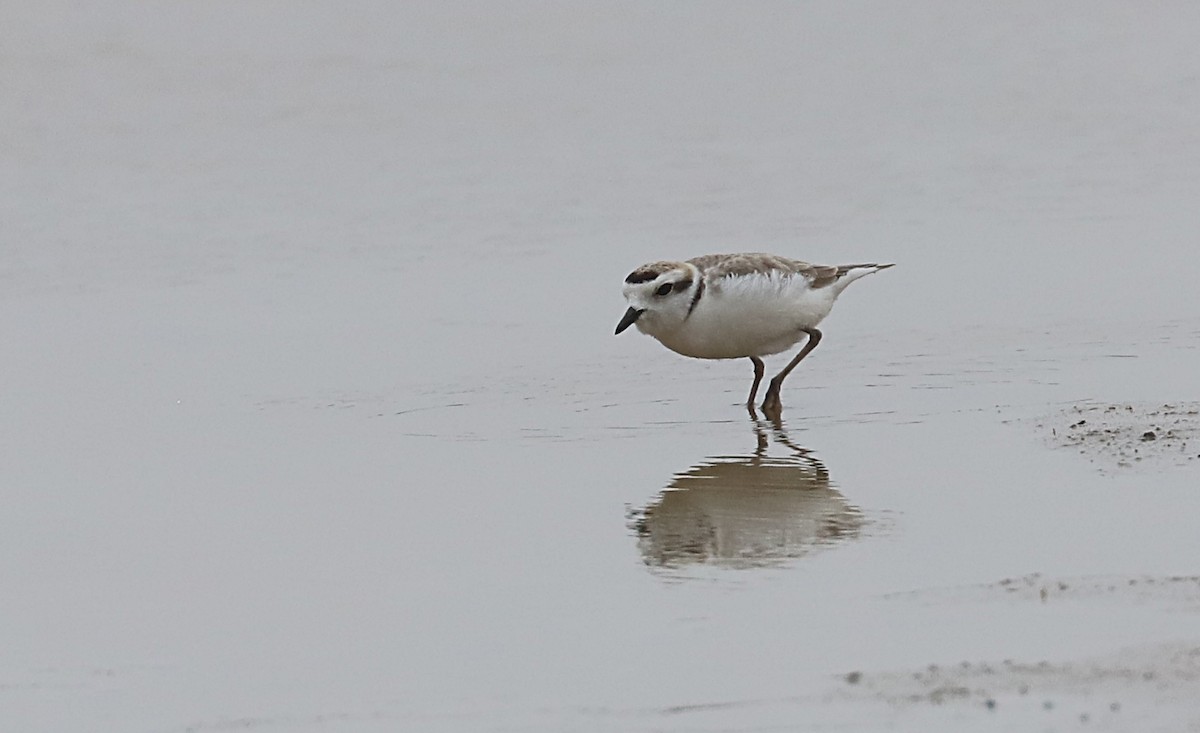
column 736, row 306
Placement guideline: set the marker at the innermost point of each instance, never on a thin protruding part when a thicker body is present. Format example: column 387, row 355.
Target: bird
column 735, row 306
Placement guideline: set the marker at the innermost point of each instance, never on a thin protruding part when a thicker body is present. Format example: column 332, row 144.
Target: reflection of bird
column 745, row 511
column 736, row 306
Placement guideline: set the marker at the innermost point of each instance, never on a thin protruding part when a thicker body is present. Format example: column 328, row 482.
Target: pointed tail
column 847, row 274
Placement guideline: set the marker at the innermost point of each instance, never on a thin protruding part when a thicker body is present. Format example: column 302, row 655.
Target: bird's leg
column 772, row 404
column 759, row 369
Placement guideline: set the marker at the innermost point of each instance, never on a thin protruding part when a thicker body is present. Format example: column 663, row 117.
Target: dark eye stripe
column 679, row 287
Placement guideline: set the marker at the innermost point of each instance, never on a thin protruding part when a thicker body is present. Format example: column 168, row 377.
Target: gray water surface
column 314, row 418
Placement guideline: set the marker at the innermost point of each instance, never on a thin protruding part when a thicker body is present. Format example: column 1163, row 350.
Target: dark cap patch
column 646, row 273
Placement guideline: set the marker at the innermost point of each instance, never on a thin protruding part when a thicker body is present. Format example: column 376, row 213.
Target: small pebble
column 990, row 704
column 1149, row 435
column 854, row 678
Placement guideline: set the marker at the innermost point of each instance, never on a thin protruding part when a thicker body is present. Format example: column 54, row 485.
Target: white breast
column 749, row 315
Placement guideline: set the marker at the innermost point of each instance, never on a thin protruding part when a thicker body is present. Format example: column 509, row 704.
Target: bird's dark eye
column 664, row 289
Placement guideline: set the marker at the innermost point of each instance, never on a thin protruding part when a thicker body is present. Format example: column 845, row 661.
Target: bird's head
column 660, row 296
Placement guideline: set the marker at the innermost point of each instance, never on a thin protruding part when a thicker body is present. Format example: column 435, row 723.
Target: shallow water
column 315, row 419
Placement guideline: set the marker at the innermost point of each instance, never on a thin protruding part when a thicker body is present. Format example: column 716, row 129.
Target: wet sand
column 314, row 418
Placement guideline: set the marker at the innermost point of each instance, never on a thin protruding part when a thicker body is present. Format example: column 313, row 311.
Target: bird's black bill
column 627, row 320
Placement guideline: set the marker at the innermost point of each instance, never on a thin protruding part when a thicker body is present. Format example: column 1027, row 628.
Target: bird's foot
column 772, row 406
